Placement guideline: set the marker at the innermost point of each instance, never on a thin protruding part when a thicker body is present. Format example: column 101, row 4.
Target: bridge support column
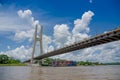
column 34, row 44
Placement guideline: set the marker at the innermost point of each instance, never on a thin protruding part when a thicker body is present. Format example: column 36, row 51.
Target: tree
column 12, row 60
column 4, row 59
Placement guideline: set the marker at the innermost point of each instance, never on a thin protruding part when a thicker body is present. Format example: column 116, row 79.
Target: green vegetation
column 114, row 63
column 87, row 63
column 9, row 61
column 20, row 64
column 4, row 59
column 47, row 61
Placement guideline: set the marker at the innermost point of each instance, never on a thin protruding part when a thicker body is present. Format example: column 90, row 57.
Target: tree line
column 4, row 59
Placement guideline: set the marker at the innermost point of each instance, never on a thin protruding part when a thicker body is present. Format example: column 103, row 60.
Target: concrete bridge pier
column 37, row 38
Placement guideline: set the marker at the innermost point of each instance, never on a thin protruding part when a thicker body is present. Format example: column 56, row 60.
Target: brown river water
column 110, row 72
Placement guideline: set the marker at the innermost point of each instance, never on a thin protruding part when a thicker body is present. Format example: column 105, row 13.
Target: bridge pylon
column 37, row 38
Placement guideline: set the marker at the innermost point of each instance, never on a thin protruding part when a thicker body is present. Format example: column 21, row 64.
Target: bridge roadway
column 110, row 36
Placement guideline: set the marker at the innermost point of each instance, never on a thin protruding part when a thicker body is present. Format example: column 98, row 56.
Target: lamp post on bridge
column 37, row 38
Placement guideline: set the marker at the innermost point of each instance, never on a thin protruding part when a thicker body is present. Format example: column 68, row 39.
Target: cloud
column 28, row 34
column 8, row 47
column 23, row 35
column 50, row 48
column 27, row 15
column 21, row 53
column 81, row 29
column 47, row 44
column 61, row 34
column 10, row 22
column 90, row 1
column 81, row 25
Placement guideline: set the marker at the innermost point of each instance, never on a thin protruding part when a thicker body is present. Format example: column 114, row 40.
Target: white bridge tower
column 37, row 37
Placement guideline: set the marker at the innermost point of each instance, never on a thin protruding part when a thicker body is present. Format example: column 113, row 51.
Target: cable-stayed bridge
column 107, row 37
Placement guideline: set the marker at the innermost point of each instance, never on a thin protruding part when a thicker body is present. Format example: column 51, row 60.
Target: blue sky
column 104, row 16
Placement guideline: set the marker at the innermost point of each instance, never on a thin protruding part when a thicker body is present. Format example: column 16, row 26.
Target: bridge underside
column 94, row 41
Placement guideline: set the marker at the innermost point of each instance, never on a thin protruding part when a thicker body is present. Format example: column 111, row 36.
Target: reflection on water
column 60, row 73
column 35, row 73
column 20, row 73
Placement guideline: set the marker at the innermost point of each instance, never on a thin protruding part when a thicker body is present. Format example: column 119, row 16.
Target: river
column 110, row 72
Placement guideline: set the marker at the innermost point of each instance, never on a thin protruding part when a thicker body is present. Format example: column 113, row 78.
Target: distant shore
column 21, row 64
column 50, row 66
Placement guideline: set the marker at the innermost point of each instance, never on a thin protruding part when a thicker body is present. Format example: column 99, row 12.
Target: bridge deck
column 110, row 36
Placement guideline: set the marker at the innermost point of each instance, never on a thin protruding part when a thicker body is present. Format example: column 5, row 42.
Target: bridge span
column 110, row 36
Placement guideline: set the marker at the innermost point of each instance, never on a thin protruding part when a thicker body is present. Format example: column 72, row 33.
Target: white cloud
column 28, row 34
column 47, row 44
column 81, row 25
column 8, row 47
column 24, row 52
column 22, row 35
column 25, row 14
column 10, row 22
column 90, row 1
column 21, row 53
column 61, row 34
column 80, row 31
column 50, row 48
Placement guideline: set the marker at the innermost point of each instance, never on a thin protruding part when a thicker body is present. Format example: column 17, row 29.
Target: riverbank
column 21, row 64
